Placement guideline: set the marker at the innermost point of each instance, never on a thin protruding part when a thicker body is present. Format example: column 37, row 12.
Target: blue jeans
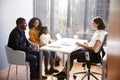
column 52, row 59
column 49, row 57
column 33, row 58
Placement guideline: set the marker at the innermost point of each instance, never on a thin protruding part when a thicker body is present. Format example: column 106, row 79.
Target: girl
column 46, row 39
column 45, row 36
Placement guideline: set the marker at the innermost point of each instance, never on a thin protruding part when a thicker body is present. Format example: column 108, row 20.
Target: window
column 69, row 17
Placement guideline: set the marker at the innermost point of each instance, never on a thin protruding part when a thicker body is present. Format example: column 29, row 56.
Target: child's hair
column 42, row 30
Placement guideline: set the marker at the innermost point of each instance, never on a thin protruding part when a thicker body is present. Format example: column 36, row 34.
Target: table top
column 64, row 45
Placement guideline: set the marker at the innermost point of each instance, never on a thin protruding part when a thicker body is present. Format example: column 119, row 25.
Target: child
column 46, row 39
column 45, row 36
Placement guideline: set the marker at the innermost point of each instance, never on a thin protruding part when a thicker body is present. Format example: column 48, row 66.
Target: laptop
column 64, row 41
column 58, row 36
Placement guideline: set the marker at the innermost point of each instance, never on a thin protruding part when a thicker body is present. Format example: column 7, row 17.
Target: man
column 18, row 41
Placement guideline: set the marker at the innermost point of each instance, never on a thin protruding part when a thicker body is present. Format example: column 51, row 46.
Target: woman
column 94, row 45
column 35, row 25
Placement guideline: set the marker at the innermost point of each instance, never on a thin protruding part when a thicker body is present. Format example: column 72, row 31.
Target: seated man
column 17, row 41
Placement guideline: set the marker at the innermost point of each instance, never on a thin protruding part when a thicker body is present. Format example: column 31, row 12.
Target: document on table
column 66, row 43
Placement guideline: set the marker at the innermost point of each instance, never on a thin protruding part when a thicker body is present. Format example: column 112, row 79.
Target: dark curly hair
column 31, row 22
column 101, row 25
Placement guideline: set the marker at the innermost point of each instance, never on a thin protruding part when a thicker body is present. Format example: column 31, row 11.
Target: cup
column 75, row 36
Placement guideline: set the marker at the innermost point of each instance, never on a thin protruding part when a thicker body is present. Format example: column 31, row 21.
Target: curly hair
column 31, row 22
column 101, row 25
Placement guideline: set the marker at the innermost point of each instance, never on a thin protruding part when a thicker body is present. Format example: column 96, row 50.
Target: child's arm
column 50, row 40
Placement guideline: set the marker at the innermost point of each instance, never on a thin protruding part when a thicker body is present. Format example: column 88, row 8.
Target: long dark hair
column 31, row 22
column 101, row 25
column 42, row 30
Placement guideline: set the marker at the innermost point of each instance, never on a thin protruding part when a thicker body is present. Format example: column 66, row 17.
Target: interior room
column 71, row 19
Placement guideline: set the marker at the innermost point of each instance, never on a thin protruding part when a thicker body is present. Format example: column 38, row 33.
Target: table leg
column 68, row 66
column 103, row 70
column 41, row 54
column 63, row 59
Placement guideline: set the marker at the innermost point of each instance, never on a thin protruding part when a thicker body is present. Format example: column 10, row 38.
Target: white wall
column 10, row 10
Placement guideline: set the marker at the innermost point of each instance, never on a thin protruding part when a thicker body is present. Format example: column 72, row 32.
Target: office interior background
column 68, row 17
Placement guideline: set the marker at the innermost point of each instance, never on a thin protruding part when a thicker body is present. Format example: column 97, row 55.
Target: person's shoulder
column 100, row 32
column 48, row 35
column 103, row 32
column 31, row 30
column 14, row 31
column 42, row 35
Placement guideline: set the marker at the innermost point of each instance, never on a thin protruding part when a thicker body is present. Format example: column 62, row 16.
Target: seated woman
column 35, row 25
column 94, row 45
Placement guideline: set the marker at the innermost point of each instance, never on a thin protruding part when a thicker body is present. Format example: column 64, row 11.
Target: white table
column 65, row 46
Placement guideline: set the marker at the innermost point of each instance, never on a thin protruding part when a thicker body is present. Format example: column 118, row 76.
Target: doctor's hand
column 78, row 44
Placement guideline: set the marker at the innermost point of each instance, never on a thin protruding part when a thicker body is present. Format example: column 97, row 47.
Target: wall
column 113, row 43
column 10, row 10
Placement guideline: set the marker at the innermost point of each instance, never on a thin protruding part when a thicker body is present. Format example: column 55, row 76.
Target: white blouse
column 45, row 38
column 98, row 35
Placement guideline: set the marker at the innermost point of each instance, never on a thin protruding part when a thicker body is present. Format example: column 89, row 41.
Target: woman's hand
column 79, row 44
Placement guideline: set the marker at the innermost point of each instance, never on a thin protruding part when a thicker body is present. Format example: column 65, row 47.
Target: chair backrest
column 15, row 56
column 98, row 54
column 102, row 51
column 99, row 59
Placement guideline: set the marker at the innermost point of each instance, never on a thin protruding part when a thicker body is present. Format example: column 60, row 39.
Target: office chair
column 88, row 63
column 16, row 57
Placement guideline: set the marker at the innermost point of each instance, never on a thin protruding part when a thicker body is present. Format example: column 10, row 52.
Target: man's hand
column 30, row 48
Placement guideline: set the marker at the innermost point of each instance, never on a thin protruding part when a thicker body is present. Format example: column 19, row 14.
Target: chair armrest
column 19, row 57
column 15, row 56
column 87, row 56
